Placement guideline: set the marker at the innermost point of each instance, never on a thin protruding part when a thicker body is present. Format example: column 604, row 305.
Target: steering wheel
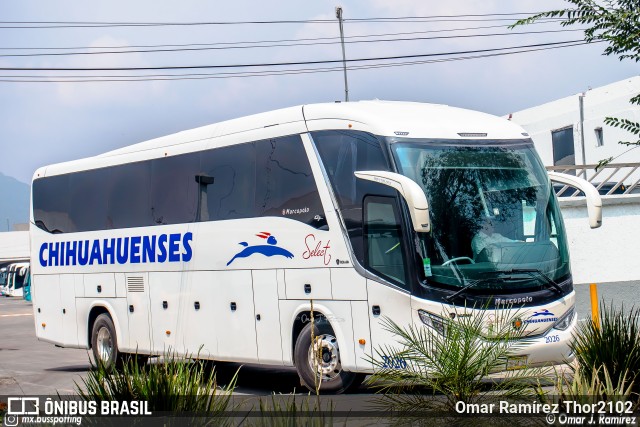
column 460, row 258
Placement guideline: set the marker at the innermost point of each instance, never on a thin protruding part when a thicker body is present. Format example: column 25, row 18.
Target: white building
column 571, row 130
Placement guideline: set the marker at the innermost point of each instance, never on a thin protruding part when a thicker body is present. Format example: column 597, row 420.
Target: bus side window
column 174, row 189
column 234, row 178
column 285, row 185
column 342, row 153
column 51, row 203
column 129, row 204
column 383, row 239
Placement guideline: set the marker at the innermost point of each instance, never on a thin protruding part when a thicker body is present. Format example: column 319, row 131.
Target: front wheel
column 319, row 363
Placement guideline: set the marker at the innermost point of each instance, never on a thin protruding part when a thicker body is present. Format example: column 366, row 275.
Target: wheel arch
column 98, row 308
column 324, row 312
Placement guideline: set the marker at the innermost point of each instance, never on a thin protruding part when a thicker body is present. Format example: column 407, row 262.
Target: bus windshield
column 495, row 221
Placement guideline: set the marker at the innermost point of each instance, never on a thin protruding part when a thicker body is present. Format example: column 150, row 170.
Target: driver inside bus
column 487, row 236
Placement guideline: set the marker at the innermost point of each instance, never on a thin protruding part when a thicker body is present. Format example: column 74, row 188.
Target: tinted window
column 232, row 193
column 174, row 189
column 264, row 178
column 51, row 203
column 128, row 196
column 88, row 199
column 383, row 237
column 285, row 185
column 343, row 153
column 563, row 149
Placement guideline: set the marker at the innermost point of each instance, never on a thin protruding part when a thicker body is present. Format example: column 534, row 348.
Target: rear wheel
column 104, row 342
column 319, row 362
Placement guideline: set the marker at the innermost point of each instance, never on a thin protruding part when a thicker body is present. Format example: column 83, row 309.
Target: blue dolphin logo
column 544, row 312
column 270, row 249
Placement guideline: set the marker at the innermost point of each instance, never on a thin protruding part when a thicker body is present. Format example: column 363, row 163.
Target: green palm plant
column 615, row 345
column 453, row 363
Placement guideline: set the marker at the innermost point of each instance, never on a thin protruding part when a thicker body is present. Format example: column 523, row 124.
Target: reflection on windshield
column 492, row 211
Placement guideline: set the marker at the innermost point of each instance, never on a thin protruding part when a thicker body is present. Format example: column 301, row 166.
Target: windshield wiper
column 536, row 274
column 465, row 288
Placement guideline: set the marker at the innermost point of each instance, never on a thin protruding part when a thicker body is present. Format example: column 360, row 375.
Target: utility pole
column 344, row 57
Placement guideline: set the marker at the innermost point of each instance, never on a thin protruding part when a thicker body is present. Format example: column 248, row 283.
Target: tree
column 614, row 22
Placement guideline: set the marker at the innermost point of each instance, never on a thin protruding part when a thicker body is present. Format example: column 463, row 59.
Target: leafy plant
column 587, row 387
column 285, row 410
column 455, row 360
column 614, row 346
column 175, row 385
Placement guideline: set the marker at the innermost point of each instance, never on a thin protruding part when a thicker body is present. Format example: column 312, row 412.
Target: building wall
column 609, row 253
column 606, row 101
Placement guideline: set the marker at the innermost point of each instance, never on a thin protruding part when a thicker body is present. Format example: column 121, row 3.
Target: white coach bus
column 218, row 239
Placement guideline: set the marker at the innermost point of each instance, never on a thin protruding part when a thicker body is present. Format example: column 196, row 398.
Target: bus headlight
column 565, row 321
column 433, row 321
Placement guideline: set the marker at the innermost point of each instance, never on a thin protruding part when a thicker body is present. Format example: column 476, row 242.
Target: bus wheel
column 104, row 342
column 320, row 363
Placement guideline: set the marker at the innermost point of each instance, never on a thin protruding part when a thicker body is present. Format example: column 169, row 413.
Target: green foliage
column 174, row 385
column 285, row 411
column 614, row 346
column 597, row 386
column 455, row 363
column 625, row 124
column 614, row 22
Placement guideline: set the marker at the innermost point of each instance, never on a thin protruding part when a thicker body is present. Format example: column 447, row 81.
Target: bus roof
column 385, row 118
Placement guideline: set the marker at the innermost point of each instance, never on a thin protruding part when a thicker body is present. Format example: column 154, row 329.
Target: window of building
column 599, row 137
column 563, row 148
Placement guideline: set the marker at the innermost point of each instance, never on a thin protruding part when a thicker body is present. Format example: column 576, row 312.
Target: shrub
column 615, row 345
column 454, row 361
column 175, row 385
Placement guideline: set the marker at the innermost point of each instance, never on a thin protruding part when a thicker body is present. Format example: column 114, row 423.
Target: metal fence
column 614, row 178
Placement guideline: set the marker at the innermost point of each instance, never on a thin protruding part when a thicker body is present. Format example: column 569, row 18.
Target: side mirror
column 594, row 202
column 410, row 191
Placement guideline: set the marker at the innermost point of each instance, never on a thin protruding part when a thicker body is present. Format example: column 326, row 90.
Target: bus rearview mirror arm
column 594, row 201
column 410, row 191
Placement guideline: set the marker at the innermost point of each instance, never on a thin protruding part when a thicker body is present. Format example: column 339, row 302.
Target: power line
column 277, row 64
column 261, row 46
column 222, row 75
column 285, row 72
column 433, row 18
column 444, row 30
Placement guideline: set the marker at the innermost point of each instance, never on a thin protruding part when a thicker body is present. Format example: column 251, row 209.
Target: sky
column 52, row 121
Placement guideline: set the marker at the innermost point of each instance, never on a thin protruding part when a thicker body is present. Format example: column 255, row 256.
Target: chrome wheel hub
column 104, row 343
column 324, row 357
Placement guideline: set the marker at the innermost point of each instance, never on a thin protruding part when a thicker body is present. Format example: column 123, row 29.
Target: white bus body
column 217, row 240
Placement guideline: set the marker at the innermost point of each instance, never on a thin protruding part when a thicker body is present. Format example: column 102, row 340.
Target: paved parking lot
column 28, row 366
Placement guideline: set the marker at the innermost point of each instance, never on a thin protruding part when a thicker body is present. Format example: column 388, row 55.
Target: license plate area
column 517, row 362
